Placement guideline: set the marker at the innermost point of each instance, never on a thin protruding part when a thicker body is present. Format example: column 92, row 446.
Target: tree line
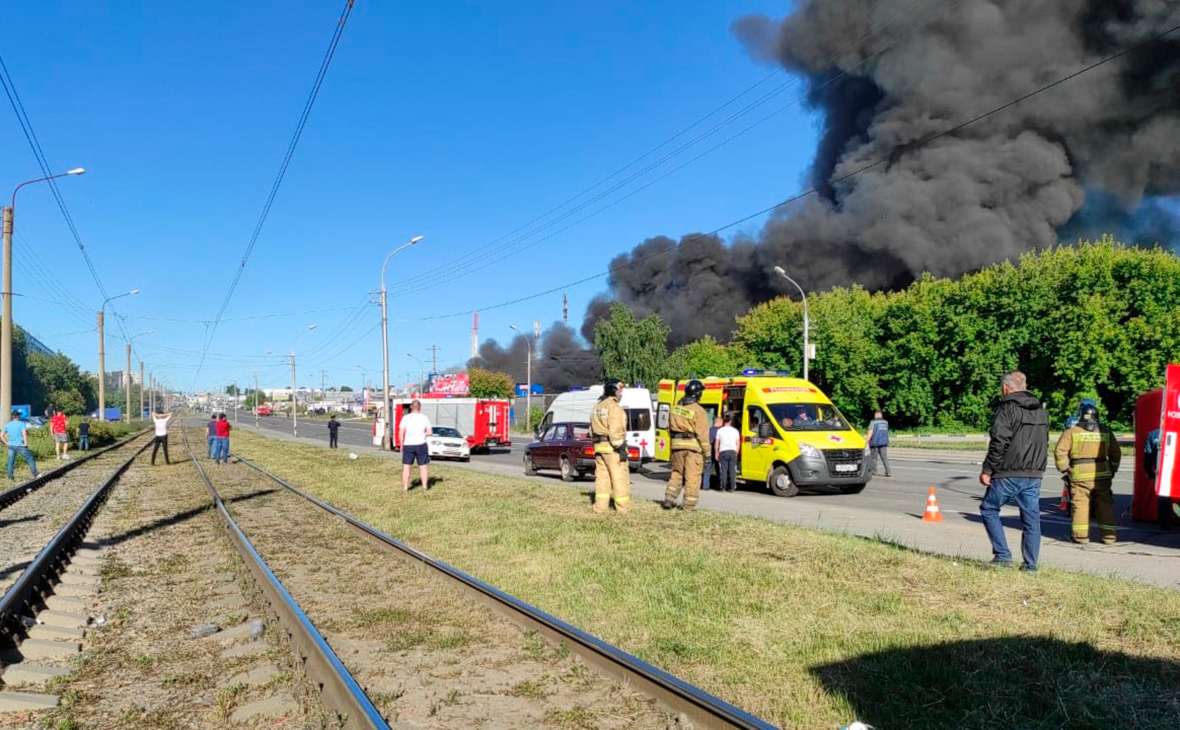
column 1097, row 319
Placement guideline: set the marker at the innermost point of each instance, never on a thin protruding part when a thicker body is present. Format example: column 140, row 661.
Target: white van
column 575, row 407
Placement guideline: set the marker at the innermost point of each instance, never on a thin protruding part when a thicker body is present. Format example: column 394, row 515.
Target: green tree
column 253, row 398
column 635, row 351
column 345, row 389
column 58, row 377
column 702, row 358
column 488, row 384
column 232, row 390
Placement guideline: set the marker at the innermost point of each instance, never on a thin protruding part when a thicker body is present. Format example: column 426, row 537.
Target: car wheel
column 779, row 482
column 852, row 488
column 567, row 470
column 529, row 469
column 465, row 459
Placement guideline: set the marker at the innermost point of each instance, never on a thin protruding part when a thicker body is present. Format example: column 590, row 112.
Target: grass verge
column 803, row 628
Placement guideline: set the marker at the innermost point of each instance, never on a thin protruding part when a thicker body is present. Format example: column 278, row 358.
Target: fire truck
column 484, row 422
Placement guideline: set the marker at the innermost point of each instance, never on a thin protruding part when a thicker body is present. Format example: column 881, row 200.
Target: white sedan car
column 448, row 443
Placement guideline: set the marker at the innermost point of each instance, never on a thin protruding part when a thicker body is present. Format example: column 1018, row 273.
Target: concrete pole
column 294, row 402
column 6, row 325
column 102, row 372
column 151, row 392
column 235, row 401
column 127, row 384
column 528, row 394
column 141, row 384
column 385, row 406
column 256, row 397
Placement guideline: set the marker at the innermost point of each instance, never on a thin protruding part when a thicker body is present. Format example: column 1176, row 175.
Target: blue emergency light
column 766, row 373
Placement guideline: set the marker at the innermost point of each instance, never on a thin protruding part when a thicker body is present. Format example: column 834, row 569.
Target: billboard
column 453, row 384
column 1168, row 483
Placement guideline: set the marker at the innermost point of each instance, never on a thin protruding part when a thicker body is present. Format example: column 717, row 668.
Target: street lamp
column 294, row 403
column 528, row 394
column 806, row 324
column 127, row 380
column 102, row 374
column 421, row 371
column 6, row 299
column 385, row 405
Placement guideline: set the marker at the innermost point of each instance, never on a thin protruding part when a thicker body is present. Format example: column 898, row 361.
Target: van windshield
column 638, row 419
column 807, row 417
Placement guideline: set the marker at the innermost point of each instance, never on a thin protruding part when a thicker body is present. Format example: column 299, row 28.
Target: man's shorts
column 61, row 438
column 419, row 454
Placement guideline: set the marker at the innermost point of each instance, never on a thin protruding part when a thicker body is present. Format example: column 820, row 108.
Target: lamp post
column 127, row 379
column 806, row 324
column 102, row 372
column 421, row 371
column 385, row 406
column 295, row 403
column 6, row 299
column 528, row 394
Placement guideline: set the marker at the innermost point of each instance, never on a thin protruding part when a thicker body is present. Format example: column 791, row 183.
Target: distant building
column 34, row 344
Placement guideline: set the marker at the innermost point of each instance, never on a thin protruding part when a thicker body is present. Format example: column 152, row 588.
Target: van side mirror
column 764, row 430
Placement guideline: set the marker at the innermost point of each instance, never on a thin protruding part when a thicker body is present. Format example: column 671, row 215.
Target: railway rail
column 13, row 495
column 342, row 692
column 36, row 581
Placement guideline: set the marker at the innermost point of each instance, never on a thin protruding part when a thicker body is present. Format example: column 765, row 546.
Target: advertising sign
column 455, row 384
column 25, row 411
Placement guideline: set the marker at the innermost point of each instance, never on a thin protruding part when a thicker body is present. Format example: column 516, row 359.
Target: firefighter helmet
column 693, row 390
column 1088, row 416
column 612, row 387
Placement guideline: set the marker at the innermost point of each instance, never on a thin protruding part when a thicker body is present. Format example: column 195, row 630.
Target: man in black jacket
column 1016, row 457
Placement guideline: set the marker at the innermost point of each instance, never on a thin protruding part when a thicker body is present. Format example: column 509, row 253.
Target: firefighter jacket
column 689, row 425
column 608, row 426
column 1087, row 457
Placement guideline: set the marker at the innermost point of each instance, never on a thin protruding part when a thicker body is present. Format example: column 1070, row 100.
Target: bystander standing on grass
column 412, row 434
column 84, row 435
column 14, row 438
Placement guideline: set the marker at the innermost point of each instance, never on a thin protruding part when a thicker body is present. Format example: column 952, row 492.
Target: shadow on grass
column 1017, row 682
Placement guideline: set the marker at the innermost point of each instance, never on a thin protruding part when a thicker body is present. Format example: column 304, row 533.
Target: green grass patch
column 803, row 628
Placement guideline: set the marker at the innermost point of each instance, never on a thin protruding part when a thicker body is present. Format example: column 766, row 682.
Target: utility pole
column 127, row 382
column 565, row 309
column 6, row 324
column 255, row 397
column 152, row 392
column 433, row 360
column 294, row 403
column 235, row 401
column 141, row 384
column 102, row 373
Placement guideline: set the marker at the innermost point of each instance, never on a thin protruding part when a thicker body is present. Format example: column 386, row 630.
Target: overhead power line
column 26, row 126
column 278, row 181
column 891, row 157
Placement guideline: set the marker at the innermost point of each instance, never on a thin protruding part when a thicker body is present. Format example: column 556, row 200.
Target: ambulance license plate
column 846, row 467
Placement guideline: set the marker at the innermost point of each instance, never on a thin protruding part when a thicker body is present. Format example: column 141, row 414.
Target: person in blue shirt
column 878, row 439
column 13, row 436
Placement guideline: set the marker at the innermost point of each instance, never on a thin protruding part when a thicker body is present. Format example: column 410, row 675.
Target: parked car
column 264, row 410
column 447, row 443
column 568, row 448
column 36, row 422
column 636, row 403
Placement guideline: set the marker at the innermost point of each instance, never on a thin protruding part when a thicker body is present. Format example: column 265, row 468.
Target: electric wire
column 278, row 181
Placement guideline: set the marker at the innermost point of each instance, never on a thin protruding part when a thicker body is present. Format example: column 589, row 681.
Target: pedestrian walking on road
column 608, row 431
column 726, row 443
column 84, row 435
column 1013, row 469
column 1088, row 455
column 691, row 450
column 412, row 434
column 61, row 439
column 333, row 432
column 160, row 421
column 221, row 450
column 211, row 434
column 878, row 439
column 14, row 437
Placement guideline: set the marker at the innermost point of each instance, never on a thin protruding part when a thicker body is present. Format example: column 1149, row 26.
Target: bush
column 102, row 433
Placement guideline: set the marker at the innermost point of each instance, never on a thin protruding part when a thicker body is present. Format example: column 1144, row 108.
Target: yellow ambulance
column 792, row 435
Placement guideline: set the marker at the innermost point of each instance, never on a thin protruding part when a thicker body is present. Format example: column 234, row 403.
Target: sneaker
column 1027, row 569
column 997, row 563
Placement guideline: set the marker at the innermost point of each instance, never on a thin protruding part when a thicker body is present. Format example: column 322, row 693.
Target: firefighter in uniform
column 608, row 429
column 1088, row 456
column 691, row 449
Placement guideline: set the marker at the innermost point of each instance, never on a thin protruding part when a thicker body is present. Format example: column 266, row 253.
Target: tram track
column 435, row 646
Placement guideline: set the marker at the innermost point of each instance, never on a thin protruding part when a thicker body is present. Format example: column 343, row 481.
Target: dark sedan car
column 566, row 447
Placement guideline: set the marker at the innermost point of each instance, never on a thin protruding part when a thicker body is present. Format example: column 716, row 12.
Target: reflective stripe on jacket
column 1088, row 456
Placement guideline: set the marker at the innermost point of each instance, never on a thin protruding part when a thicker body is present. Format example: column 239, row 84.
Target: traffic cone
column 1064, row 506
column 933, row 513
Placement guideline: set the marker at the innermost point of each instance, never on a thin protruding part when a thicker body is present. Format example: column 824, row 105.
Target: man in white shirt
column 412, row 435
column 726, row 447
column 160, row 421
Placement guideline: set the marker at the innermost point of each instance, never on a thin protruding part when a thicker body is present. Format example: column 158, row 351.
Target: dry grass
column 803, row 628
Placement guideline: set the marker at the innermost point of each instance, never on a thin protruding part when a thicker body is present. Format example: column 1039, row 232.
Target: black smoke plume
column 559, row 362
column 1098, row 153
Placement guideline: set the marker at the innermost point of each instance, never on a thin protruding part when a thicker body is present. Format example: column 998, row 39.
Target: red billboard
column 455, row 384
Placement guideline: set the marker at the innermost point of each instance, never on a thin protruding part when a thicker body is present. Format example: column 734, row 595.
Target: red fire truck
column 483, row 422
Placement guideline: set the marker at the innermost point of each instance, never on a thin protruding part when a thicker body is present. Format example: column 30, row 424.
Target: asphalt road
column 889, row 508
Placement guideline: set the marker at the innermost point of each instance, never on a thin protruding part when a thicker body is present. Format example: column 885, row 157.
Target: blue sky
column 457, row 121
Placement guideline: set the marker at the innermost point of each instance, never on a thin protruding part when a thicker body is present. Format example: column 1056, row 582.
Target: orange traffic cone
column 933, row 513
column 1064, row 506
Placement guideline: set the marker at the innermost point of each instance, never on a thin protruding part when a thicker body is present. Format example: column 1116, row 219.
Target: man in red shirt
column 221, row 448
column 61, row 440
